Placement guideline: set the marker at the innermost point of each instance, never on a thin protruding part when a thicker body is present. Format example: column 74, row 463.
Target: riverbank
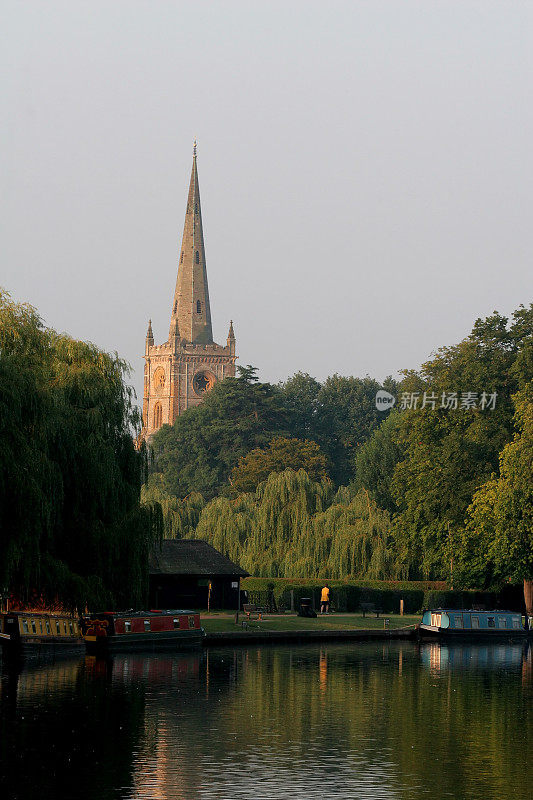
column 222, row 628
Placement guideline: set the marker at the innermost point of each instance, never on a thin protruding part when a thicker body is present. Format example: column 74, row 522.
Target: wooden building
column 190, row 573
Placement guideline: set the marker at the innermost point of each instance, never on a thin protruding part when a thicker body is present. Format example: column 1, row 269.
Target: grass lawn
column 290, row 622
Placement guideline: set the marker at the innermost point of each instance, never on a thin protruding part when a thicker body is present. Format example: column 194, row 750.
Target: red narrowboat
column 126, row 631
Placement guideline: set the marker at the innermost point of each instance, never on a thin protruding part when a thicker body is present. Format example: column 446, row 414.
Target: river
column 367, row 720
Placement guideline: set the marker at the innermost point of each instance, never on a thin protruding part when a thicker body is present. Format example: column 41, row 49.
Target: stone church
column 179, row 372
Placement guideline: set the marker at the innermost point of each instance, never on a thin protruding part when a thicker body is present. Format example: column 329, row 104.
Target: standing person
column 324, row 600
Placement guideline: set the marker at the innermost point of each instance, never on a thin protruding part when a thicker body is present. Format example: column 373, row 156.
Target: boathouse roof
column 191, row 557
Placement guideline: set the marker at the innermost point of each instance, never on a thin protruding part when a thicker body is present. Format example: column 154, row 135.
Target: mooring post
column 401, row 606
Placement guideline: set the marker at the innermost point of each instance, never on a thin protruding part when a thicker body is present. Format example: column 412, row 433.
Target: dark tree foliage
column 198, row 452
column 71, row 524
column 281, row 454
column 498, row 538
column 339, row 415
column 425, row 465
column 376, row 460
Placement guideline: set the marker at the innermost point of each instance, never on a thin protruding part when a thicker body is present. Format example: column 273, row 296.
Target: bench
column 371, row 609
column 253, row 611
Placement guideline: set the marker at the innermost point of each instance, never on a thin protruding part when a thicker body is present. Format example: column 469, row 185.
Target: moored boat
column 39, row 633
column 126, row 631
column 443, row 623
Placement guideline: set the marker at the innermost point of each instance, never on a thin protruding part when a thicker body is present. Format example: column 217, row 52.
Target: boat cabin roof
column 152, row 613
column 46, row 614
column 470, row 611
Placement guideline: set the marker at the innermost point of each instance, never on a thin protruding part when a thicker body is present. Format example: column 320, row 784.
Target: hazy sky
column 365, row 171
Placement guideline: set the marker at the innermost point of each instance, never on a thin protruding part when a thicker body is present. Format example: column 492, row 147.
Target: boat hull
column 25, row 648
column 145, row 642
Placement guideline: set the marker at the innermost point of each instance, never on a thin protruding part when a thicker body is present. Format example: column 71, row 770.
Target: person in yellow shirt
column 324, row 600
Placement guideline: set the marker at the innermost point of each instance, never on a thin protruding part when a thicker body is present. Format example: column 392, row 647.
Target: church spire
column 190, row 308
column 149, row 337
column 231, row 339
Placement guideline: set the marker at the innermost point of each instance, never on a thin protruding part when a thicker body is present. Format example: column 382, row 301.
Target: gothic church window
column 198, row 307
column 159, row 378
column 181, row 259
column 197, row 257
column 158, row 415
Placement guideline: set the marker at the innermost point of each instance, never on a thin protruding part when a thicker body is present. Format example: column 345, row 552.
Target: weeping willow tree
column 71, row 524
column 292, row 526
column 179, row 516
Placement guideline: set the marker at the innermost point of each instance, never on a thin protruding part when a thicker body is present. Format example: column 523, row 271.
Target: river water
column 367, row 720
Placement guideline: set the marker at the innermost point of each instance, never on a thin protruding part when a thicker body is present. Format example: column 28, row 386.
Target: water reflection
column 389, row 720
column 471, row 655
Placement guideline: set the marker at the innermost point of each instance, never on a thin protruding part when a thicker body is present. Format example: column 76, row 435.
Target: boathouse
column 190, row 573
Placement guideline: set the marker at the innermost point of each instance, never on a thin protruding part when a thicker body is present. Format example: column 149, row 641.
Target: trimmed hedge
column 348, row 596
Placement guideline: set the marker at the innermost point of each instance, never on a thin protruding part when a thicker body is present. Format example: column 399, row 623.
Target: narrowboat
column 445, row 623
column 39, row 633
column 126, row 631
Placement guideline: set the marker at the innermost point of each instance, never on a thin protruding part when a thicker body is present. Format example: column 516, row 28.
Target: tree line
column 307, row 478
column 299, row 479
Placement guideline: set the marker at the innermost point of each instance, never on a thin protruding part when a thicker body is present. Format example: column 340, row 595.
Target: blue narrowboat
column 445, row 623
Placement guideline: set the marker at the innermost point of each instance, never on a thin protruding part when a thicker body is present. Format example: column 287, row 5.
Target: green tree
column 347, row 417
column 376, row 460
column 301, row 401
column 180, row 516
column 205, row 443
column 500, row 518
column 280, row 454
column 449, row 454
column 70, row 477
column 339, row 415
column 291, row 526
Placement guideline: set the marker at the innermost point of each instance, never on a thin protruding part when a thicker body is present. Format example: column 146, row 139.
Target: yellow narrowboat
column 36, row 632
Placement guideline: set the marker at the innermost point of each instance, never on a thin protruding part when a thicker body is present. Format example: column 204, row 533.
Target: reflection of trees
column 467, row 732
column 65, row 733
column 384, row 713
column 451, row 722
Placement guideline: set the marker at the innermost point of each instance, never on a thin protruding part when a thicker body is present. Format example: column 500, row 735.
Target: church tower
column 179, row 372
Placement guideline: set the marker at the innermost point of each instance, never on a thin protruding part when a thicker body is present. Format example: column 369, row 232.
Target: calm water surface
column 337, row 721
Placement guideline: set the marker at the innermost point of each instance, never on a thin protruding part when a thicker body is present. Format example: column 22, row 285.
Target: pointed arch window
column 197, row 257
column 181, row 259
column 198, row 307
column 196, row 208
column 158, row 415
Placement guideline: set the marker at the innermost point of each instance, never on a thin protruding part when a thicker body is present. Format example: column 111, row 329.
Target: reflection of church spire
column 190, row 306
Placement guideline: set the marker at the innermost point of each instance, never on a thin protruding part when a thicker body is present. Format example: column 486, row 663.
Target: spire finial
column 194, row 149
